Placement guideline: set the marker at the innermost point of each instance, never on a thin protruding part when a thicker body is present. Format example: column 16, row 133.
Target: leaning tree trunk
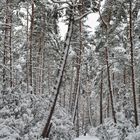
column 132, row 64
column 46, row 130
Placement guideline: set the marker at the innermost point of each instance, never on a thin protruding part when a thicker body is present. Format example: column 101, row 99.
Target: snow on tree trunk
column 31, row 47
column 45, row 132
column 132, row 64
column 109, row 85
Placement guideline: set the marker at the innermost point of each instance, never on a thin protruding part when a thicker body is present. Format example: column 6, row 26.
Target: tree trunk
column 11, row 55
column 42, row 53
column 132, row 65
column 101, row 98
column 27, row 58
column 83, row 116
column 71, row 89
column 109, row 85
column 7, row 48
column 108, row 106
column 79, row 57
column 45, row 132
column 124, row 75
column 89, row 110
column 31, row 46
column 77, row 120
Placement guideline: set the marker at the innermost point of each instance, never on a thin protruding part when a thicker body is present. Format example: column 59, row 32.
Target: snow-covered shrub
column 134, row 135
column 62, row 126
column 111, row 131
column 23, row 116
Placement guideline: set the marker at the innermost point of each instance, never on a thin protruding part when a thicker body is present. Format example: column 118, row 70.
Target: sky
column 91, row 21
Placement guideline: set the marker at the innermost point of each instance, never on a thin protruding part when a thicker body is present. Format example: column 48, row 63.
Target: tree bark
column 71, row 89
column 101, row 98
column 79, row 57
column 109, row 85
column 45, row 132
column 11, row 58
column 132, row 65
column 7, row 48
column 31, row 47
column 27, row 58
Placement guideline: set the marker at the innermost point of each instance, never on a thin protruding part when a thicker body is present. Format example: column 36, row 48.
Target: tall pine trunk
column 132, row 64
column 27, row 46
column 109, row 85
column 101, row 98
column 7, row 77
column 31, row 47
column 79, row 57
column 11, row 55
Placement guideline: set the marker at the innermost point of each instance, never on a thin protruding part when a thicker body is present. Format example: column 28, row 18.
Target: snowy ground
column 87, row 138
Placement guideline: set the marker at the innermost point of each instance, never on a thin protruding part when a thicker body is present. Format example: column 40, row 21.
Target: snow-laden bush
column 62, row 126
column 111, row 131
column 23, row 117
column 134, row 135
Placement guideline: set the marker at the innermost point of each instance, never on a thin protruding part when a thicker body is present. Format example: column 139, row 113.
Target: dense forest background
column 58, row 89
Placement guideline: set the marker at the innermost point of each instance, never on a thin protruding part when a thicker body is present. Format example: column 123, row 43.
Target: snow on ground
column 87, row 138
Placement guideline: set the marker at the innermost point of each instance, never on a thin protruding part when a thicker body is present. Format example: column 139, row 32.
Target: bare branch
column 82, row 16
column 61, row 2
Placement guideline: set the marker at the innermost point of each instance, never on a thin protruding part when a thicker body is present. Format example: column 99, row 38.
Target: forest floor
column 87, row 138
